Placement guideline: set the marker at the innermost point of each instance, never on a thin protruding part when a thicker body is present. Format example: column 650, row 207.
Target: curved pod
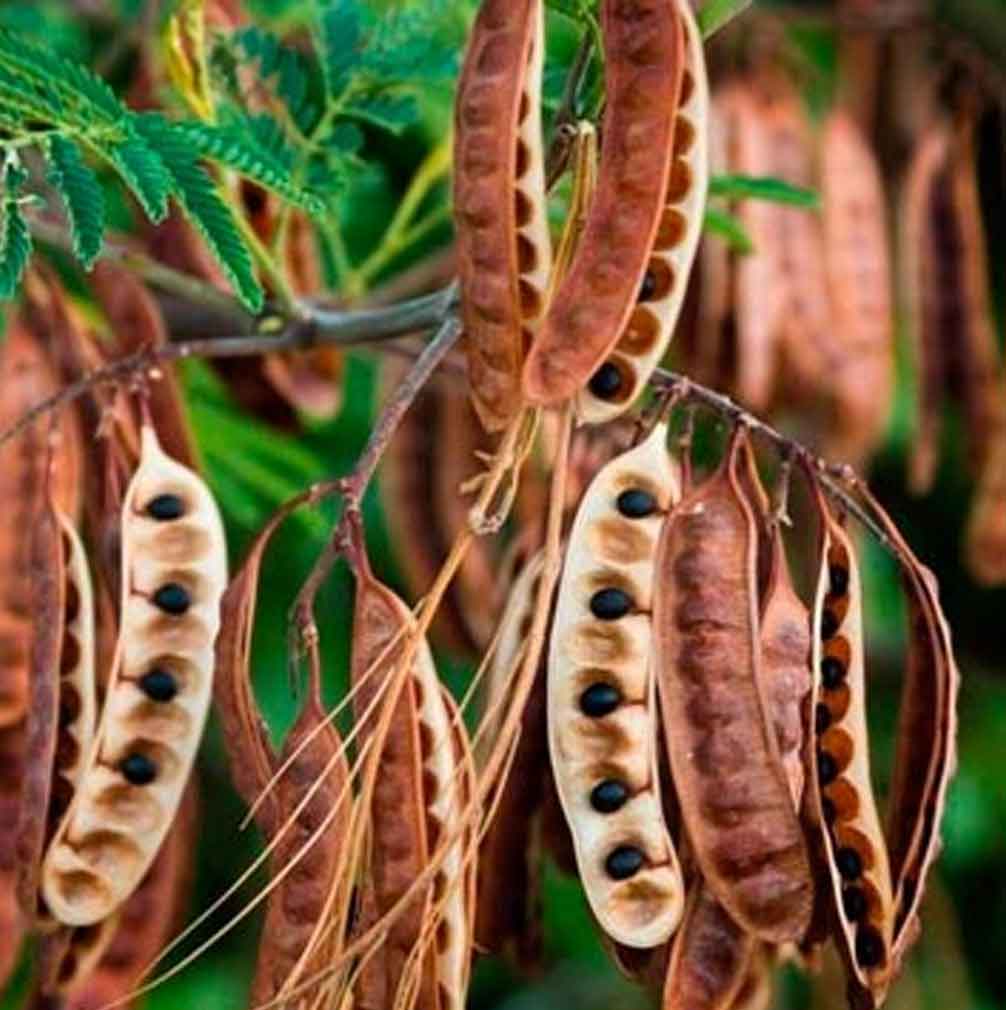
column 840, row 766
column 717, row 723
column 662, row 293
column 504, row 247
column 174, row 564
column 601, row 704
column 644, row 65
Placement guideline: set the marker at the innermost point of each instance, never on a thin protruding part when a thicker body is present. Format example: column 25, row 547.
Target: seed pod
column 68, row 956
column 717, row 723
column 986, row 535
column 174, row 565
column 711, row 957
column 755, row 992
column 859, row 274
column 12, row 924
column 662, row 293
column 504, row 248
column 601, row 705
column 841, row 797
column 644, row 64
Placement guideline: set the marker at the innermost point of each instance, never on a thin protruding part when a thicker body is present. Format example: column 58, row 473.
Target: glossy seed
column 606, row 382
column 610, row 604
column 832, row 672
column 600, row 700
column 138, row 769
column 636, row 503
column 624, row 862
column 822, row 717
column 159, row 685
column 166, row 507
column 829, row 625
column 608, row 796
column 173, row 598
column 849, row 863
column 648, row 287
column 839, row 580
column 854, row 903
column 869, row 947
column 827, row 769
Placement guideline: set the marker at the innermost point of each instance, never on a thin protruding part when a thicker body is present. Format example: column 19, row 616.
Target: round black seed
column 822, row 717
column 624, row 862
column 849, row 863
column 854, row 903
column 159, row 684
column 610, row 604
column 138, row 769
column 869, row 947
column 600, row 700
column 838, row 578
column 832, row 672
column 636, row 503
column 648, row 287
column 829, row 625
column 828, row 810
column 173, row 598
column 606, row 382
column 827, row 769
column 608, row 796
column 166, row 507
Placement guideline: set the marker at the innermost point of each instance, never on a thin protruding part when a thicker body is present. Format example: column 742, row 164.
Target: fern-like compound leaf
column 82, row 196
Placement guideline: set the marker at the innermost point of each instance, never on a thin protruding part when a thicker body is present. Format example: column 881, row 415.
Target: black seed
column 829, row 625
column 849, row 863
column 624, row 862
column 636, row 503
column 159, row 684
column 648, row 287
column 608, row 796
column 854, row 903
column 138, row 769
column 832, row 672
column 839, row 580
column 828, row 811
column 166, row 507
column 610, row 604
column 173, row 598
column 822, row 717
column 600, row 700
column 869, row 947
column 606, row 382
column 827, row 769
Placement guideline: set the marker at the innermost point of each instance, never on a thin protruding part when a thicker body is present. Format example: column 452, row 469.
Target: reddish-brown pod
column 986, row 536
column 644, row 64
column 504, row 248
column 12, row 923
column 717, row 722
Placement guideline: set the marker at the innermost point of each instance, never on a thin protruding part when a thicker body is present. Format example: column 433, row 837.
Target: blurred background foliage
column 252, row 468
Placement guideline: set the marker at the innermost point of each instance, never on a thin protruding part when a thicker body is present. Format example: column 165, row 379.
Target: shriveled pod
column 985, row 550
column 710, row 959
column 601, row 704
column 858, row 259
column 661, row 295
column 174, row 565
column 504, row 247
column 840, row 791
column 644, row 65
column 717, row 720
column 69, row 955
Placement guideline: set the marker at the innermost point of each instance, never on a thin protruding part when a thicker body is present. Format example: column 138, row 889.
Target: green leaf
column 389, row 112
column 143, row 171
column 339, row 31
column 743, row 187
column 81, row 193
column 16, row 248
column 728, row 227
column 715, row 14
column 296, row 79
column 203, row 206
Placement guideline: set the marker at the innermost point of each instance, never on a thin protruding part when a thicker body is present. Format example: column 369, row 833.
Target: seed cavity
column 838, row 578
column 822, row 717
column 624, row 862
column 606, row 382
column 608, row 796
column 648, row 287
column 827, row 768
column 173, row 598
column 832, row 672
column 138, row 769
column 600, row 700
column 610, row 604
column 636, row 503
column 854, row 903
column 869, row 947
column 829, row 625
column 849, row 863
column 166, row 507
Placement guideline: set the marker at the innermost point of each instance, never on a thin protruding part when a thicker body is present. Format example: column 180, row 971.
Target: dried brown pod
column 722, row 745
column 858, row 259
column 12, row 923
column 504, row 248
column 986, row 534
column 661, row 295
column 174, row 564
column 840, row 791
column 601, row 700
column 755, row 992
column 644, row 65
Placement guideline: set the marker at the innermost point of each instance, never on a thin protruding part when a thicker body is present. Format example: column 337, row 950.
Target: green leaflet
column 81, row 193
column 719, row 222
column 715, row 14
column 15, row 250
column 143, row 171
column 741, row 187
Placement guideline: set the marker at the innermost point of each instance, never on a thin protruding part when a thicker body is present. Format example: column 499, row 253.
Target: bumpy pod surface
column 840, row 790
column 644, row 63
column 504, row 248
column 717, row 723
column 601, row 703
column 174, row 565
column 661, row 295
